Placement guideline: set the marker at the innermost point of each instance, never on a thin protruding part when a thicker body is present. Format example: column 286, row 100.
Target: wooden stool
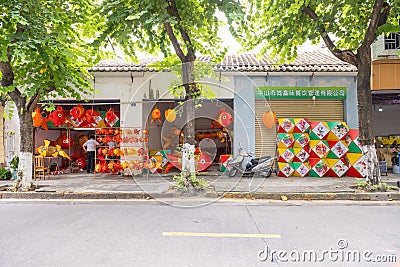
column 74, row 167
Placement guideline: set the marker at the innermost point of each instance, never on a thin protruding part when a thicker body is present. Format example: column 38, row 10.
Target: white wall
column 11, row 135
column 130, row 88
column 378, row 49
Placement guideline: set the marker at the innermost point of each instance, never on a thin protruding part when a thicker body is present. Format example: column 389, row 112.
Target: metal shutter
column 321, row 110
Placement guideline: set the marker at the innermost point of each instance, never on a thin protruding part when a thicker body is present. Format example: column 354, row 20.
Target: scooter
column 258, row 166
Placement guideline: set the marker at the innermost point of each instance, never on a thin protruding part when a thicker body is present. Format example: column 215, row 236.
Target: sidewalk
column 88, row 186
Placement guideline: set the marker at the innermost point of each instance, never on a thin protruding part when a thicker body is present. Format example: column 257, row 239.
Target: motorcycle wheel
column 268, row 173
column 233, row 172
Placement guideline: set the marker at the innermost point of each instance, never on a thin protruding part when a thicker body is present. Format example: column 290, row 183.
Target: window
column 392, row 41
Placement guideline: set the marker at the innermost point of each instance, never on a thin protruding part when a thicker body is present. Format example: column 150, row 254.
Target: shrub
column 5, row 174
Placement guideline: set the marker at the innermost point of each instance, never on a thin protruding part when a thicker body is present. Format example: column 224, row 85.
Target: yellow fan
column 46, row 150
column 61, row 153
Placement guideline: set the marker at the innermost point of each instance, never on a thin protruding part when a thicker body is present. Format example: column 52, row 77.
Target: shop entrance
column 165, row 121
column 60, row 134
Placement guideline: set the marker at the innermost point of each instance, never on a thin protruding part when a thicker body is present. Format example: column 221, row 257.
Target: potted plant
column 14, row 166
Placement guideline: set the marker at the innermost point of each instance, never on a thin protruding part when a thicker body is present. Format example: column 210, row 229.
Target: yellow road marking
column 221, row 235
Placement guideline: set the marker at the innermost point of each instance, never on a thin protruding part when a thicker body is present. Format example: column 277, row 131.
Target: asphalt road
column 227, row 233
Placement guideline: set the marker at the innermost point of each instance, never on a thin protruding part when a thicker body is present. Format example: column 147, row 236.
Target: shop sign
column 300, row 92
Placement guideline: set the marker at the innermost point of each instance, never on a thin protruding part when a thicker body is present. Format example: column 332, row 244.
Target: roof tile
column 314, row 61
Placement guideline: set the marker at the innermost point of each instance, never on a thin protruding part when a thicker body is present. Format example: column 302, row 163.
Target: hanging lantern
column 40, row 119
column 77, row 112
column 170, row 115
column 58, row 116
column 224, row 118
column 269, row 119
column 156, row 115
column 64, row 141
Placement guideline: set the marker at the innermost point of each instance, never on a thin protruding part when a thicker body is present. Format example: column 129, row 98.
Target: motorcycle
column 258, row 166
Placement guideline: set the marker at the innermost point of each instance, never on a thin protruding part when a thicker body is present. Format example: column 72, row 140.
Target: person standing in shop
column 395, row 153
column 90, row 147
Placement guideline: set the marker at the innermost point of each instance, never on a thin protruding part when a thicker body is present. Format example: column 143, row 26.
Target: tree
column 45, row 53
column 348, row 28
column 180, row 27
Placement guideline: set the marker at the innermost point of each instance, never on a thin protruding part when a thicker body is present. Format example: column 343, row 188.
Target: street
column 226, row 233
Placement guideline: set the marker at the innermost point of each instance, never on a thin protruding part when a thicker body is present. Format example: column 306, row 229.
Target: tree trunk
column 189, row 109
column 25, row 166
column 364, row 100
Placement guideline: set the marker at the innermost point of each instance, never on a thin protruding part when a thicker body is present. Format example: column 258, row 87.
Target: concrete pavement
column 227, row 233
column 83, row 185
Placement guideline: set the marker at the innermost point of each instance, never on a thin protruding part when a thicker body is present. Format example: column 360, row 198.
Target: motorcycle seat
column 258, row 160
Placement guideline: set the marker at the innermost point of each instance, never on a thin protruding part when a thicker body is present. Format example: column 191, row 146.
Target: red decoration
column 110, row 115
column 104, row 167
column 224, row 118
column 77, row 112
column 203, row 162
column 64, row 141
column 81, row 163
column 39, row 120
column 58, row 117
column 155, row 115
column 91, row 118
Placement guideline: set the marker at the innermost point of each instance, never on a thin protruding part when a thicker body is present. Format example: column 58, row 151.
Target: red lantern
column 64, row 141
column 110, row 115
column 57, row 116
column 77, row 112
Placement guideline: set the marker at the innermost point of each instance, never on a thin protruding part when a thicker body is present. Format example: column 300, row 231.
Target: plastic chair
column 39, row 169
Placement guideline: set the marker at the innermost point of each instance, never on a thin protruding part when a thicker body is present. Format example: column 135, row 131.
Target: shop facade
column 386, row 94
column 316, row 86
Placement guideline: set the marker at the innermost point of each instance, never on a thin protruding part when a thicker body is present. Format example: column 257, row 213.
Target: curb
column 382, row 196
column 83, row 195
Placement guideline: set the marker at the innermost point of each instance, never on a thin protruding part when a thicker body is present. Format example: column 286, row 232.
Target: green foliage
column 5, row 174
column 9, row 110
column 279, row 27
column 140, row 25
column 48, row 45
column 184, row 182
column 14, row 162
column 380, row 187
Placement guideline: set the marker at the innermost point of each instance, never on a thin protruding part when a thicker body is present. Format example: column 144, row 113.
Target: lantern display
column 57, row 117
column 338, row 149
column 285, row 125
column 285, row 140
column 301, row 125
column 319, row 149
column 338, row 167
column 319, row 167
column 269, row 119
column 170, row 115
column 319, row 130
column 285, row 169
column 300, row 155
column 301, row 169
column 285, row 154
column 39, row 120
column 338, row 130
column 224, row 118
column 358, row 165
column 301, row 140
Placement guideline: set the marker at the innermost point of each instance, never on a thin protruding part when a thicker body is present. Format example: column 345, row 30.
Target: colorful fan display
column 318, row 149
